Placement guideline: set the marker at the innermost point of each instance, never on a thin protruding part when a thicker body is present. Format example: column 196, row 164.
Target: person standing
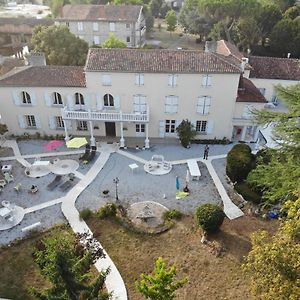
column 206, row 150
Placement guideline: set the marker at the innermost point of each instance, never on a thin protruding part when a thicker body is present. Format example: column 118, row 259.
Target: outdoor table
column 41, row 163
column 133, row 167
column 6, row 168
column 4, row 212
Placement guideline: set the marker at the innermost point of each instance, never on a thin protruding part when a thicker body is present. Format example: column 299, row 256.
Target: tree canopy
column 60, row 46
column 113, row 42
column 171, row 20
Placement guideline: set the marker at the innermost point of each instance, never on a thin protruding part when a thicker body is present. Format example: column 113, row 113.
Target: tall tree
column 161, row 285
column 273, row 262
column 171, row 20
column 113, row 42
column 60, row 46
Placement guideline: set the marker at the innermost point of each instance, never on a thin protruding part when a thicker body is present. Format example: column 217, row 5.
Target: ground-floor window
column 30, row 121
column 139, row 128
column 59, row 122
column 170, row 126
column 201, row 126
column 82, row 125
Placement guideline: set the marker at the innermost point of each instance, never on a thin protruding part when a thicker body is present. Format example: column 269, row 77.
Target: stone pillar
column 147, row 142
column 92, row 139
column 67, row 138
column 122, row 140
column 256, row 133
column 243, row 134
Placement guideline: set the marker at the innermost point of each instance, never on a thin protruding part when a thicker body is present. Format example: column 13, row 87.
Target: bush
column 248, row 193
column 172, row 215
column 85, row 214
column 240, row 162
column 186, row 132
column 108, row 210
column 210, row 217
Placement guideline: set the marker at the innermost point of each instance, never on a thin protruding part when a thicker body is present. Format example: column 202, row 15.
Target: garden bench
column 31, row 227
column 194, row 169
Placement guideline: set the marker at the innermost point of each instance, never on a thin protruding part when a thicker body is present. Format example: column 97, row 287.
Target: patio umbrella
column 187, row 178
column 76, row 142
column 52, row 145
column 177, row 183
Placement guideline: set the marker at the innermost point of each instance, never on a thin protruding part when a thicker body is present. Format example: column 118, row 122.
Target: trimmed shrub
column 247, row 192
column 108, row 210
column 172, row 215
column 240, row 162
column 85, row 214
column 210, row 217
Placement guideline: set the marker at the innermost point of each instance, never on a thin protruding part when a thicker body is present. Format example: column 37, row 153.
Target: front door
column 110, row 128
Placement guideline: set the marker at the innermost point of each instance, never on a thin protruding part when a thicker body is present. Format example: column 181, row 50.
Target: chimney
column 210, row 46
column 244, row 63
column 288, row 55
column 36, row 59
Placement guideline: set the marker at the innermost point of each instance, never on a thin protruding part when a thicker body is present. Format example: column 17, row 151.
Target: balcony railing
column 105, row 116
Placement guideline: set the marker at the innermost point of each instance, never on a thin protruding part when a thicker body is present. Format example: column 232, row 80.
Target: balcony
column 104, row 116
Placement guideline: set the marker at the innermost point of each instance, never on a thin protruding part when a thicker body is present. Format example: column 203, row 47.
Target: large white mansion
column 137, row 93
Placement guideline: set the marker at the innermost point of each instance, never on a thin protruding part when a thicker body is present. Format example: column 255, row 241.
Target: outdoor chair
column 51, row 186
column 2, row 183
column 66, row 185
column 18, row 187
column 8, row 178
column 34, row 189
column 86, row 153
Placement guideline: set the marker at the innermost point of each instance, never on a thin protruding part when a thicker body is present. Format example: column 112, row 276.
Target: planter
column 105, row 193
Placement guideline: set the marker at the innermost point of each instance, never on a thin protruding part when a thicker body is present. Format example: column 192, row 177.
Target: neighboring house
column 133, row 93
column 93, row 23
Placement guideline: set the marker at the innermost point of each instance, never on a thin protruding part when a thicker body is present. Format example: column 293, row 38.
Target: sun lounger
column 86, row 153
column 8, row 178
column 54, row 183
column 66, row 185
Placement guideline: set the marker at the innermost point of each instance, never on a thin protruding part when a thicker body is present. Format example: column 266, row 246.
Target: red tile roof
column 226, row 48
column 56, row 76
column 274, row 68
column 158, row 61
column 248, row 92
column 84, row 12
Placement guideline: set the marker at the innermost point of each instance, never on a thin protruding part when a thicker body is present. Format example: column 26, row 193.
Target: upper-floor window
column 201, row 126
column 171, row 104
column 203, row 105
column 95, row 26
column 206, row 80
column 139, row 103
column 82, row 125
column 112, row 26
column 80, row 26
column 139, row 79
column 170, row 126
column 108, row 100
column 57, row 99
column 96, row 40
column 172, row 80
column 30, row 121
column 25, row 98
column 106, row 79
column 128, row 25
column 79, row 100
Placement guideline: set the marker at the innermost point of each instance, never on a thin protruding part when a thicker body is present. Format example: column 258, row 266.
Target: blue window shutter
column 99, row 102
column 71, row 102
column 21, row 121
column 33, row 98
column 161, row 129
column 48, row 99
column 52, row 123
column 16, row 97
column 210, row 127
column 117, row 102
column 37, row 122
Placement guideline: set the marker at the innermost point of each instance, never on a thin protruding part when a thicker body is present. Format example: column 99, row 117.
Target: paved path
column 14, row 145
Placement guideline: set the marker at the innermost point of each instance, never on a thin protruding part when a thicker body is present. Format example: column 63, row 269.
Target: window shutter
column 170, row 80
column 136, row 104
column 210, row 127
column 204, row 80
column 161, row 129
column 175, row 79
column 117, row 102
column 68, row 124
column 52, row 123
column 168, row 105
column 33, row 99
column 207, row 105
column 99, row 101
column 141, row 79
column 194, row 123
column 174, row 104
column 37, row 122
column 21, row 121
column 200, row 105
column 71, row 102
column 16, row 98
column 143, row 105
column 87, row 101
column 48, row 100
column 137, row 79
column 209, row 77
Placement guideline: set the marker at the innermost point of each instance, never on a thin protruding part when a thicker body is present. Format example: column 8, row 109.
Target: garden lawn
column 209, row 277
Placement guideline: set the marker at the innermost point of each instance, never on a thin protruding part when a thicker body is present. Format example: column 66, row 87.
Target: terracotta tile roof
column 274, row 68
column 227, row 49
column 10, row 63
column 26, row 21
column 248, row 92
column 157, row 61
column 56, row 76
column 100, row 12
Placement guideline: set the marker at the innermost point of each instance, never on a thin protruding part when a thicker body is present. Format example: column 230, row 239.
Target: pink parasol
column 52, row 145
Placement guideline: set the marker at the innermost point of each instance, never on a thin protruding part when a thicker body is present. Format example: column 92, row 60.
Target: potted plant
column 105, row 193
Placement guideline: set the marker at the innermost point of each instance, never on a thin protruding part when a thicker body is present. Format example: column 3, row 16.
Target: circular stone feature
column 63, row 167
column 155, row 168
column 14, row 217
column 37, row 171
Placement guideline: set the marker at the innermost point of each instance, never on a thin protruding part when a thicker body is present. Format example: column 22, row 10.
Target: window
column 25, row 98
column 80, row 26
column 201, row 126
column 206, row 80
column 82, row 125
column 112, row 26
column 108, row 100
column 203, row 105
column 106, row 79
column 139, row 103
column 57, row 100
column 128, row 26
column 128, row 39
column 262, row 91
column 170, row 126
column 79, row 100
column 59, row 122
column 68, row 24
column 139, row 79
column 171, row 104
column 139, row 128
column 30, row 121
column 96, row 40
column 95, row 26
column 173, row 80
column 247, row 113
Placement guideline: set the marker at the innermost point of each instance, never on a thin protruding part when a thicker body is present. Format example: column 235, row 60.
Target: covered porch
column 244, row 131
